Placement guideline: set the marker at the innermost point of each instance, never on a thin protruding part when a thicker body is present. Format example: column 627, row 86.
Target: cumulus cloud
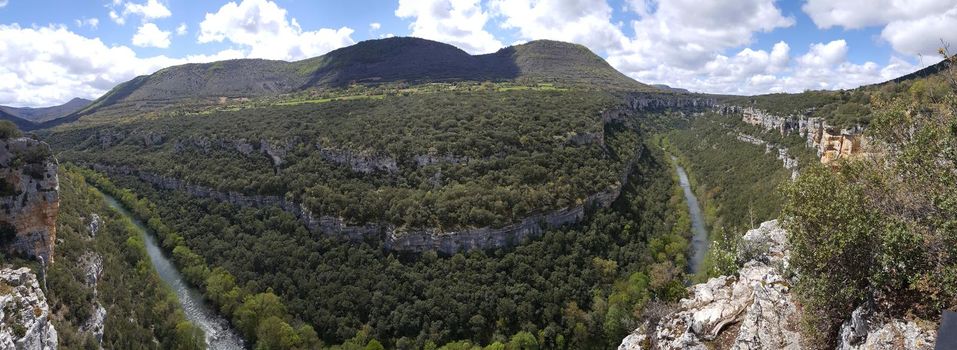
column 262, row 27
column 44, row 66
column 457, row 22
column 149, row 35
column 3, row 3
column 181, row 29
column 150, row 10
column 587, row 22
column 375, row 26
column 911, row 26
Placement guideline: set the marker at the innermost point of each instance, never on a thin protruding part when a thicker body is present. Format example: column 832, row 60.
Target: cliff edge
column 755, row 309
column 29, row 198
column 24, row 313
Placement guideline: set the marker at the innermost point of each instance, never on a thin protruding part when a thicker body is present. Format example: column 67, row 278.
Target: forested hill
column 408, row 60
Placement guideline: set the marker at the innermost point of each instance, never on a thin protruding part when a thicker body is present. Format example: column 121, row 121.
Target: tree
column 189, row 337
column 523, row 341
column 255, row 309
column 275, row 334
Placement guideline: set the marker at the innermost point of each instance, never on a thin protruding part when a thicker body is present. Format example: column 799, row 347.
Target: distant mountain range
column 411, row 60
column 27, row 118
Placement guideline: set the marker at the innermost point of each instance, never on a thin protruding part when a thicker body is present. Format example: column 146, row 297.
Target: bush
column 8, row 130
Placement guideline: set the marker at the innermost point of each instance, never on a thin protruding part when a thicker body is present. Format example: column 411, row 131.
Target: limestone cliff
column 24, row 313
column 756, row 310
column 29, row 198
column 830, row 143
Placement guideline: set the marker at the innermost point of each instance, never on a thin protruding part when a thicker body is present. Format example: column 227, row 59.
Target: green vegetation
column 8, row 130
column 141, row 312
column 579, row 287
column 736, row 182
column 511, row 154
column 257, row 315
column 882, row 228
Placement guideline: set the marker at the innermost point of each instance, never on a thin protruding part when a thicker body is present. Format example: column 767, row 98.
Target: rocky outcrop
column 29, row 198
column 365, row 163
column 867, row 330
column 92, row 265
column 657, row 102
column 756, row 310
column 24, row 313
column 756, row 301
column 830, row 143
column 789, row 162
column 95, row 223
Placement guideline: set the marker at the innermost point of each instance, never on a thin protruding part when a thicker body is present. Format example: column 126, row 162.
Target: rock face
column 29, row 198
column 756, row 301
column 24, row 312
column 755, row 310
column 830, row 143
column 789, row 161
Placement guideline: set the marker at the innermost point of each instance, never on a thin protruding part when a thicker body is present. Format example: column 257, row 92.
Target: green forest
column 503, row 153
column 578, row 287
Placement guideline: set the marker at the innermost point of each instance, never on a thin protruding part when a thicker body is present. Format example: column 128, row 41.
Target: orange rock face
column 838, row 145
column 29, row 198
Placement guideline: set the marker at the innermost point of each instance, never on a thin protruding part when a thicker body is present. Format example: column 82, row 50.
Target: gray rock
column 95, row 223
column 25, row 312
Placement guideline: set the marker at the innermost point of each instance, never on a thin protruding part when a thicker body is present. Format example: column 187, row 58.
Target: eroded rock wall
column 830, row 143
column 29, row 198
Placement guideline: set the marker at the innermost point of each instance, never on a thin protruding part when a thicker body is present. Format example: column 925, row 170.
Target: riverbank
column 219, row 334
column 699, row 231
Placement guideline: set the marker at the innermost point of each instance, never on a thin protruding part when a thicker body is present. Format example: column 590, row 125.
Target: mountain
column 411, row 60
column 39, row 115
column 669, row 88
column 931, row 70
column 21, row 123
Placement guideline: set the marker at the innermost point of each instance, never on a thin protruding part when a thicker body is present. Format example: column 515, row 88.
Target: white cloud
column 116, row 18
column 823, row 55
column 3, row 3
column 150, row 10
column 457, row 22
column 149, row 35
column 88, row 22
column 586, row 22
column 182, row 29
column 261, row 26
column 375, row 26
column 44, row 66
column 911, row 26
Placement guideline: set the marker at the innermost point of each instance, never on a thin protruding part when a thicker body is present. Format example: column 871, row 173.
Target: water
column 219, row 335
column 699, row 238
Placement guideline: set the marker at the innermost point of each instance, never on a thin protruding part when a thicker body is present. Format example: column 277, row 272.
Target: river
column 219, row 335
column 699, row 237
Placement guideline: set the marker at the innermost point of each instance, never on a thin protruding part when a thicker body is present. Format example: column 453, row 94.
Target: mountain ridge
column 391, row 60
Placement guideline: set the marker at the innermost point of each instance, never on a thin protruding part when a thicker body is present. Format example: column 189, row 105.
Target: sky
column 53, row 51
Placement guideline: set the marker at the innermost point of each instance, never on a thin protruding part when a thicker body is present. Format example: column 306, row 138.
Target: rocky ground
column 756, row 310
column 24, row 313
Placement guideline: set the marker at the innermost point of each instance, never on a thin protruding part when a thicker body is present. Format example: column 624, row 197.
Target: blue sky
column 56, row 50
